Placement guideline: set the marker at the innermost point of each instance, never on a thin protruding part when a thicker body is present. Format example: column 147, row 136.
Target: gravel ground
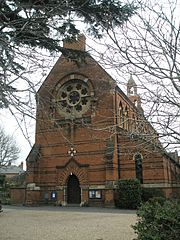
column 57, row 223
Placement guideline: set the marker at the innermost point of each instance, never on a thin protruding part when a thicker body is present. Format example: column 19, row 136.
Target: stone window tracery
column 73, row 98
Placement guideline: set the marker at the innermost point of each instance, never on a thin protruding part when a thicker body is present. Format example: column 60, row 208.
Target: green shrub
column 159, row 219
column 148, row 193
column 128, row 195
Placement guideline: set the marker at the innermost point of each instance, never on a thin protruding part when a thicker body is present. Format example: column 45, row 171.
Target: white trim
column 160, row 185
column 94, row 187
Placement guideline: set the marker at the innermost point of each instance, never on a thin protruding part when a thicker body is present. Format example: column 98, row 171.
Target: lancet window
column 138, row 167
column 121, row 115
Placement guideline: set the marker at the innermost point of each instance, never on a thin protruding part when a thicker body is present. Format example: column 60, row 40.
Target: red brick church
column 89, row 134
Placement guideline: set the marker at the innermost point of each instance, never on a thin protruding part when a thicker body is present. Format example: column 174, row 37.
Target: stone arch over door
column 80, row 171
column 72, row 167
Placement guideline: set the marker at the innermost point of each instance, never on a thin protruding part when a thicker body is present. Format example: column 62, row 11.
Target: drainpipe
column 117, row 140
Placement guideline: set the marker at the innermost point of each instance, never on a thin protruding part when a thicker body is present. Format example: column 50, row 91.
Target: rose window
column 73, row 98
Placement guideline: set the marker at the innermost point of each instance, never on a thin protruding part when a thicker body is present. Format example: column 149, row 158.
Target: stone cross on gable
column 72, row 152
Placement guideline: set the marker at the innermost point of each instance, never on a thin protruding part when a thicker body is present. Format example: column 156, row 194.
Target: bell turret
column 132, row 93
column 131, row 87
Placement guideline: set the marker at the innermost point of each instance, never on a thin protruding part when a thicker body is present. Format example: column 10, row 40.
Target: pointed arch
column 126, row 119
column 121, row 115
column 73, row 168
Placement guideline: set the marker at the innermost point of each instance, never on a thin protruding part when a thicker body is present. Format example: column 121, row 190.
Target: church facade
column 89, row 134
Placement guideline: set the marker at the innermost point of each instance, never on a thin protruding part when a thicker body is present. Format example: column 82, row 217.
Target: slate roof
column 12, row 169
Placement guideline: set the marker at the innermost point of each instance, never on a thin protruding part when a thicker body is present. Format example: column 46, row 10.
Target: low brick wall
column 32, row 197
column 17, row 195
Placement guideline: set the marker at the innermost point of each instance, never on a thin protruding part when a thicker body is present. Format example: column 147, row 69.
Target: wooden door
column 73, row 190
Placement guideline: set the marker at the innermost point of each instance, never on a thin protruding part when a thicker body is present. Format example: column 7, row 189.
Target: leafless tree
column 27, row 27
column 9, row 152
column 31, row 35
column 148, row 47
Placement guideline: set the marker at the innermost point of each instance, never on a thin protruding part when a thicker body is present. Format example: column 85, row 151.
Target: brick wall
column 92, row 163
column 17, row 195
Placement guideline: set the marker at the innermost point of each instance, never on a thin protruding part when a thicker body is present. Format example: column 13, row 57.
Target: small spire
column 131, row 87
column 131, row 80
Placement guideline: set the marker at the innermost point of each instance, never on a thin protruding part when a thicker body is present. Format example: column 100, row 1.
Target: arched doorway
column 73, row 190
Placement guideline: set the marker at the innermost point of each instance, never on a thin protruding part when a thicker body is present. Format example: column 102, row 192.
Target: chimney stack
column 78, row 44
column 21, row 165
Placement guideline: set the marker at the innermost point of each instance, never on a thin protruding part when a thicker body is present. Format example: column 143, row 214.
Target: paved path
column 65, row 223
